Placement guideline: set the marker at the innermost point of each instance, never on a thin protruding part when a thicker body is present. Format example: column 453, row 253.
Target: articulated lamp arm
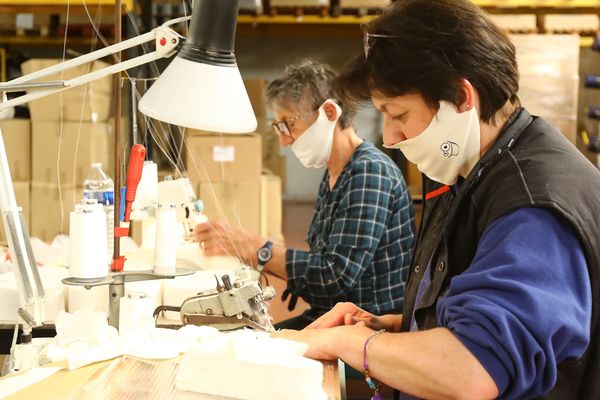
column 167, row 42
column 29, row 285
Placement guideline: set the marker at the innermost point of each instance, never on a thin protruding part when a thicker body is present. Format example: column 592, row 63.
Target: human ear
column 468, row 96
column 330, row 109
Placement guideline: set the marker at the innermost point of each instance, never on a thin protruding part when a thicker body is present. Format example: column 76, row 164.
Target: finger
column 214, row 248
column 283, row 334
column 203, row 227
column 328, row 320
column 202, row 236
column 349, row 319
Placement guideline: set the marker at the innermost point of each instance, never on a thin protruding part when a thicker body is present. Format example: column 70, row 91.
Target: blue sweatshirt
column 524, row 304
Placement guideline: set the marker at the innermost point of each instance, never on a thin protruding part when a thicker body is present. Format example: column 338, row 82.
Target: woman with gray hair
column 363, row 229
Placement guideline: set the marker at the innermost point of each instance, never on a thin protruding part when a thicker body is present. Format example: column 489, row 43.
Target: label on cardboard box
column 24, row 21
column 220, row 158
column 224, row 154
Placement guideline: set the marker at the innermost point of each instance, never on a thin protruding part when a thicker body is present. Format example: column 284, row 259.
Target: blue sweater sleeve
column 524, row 304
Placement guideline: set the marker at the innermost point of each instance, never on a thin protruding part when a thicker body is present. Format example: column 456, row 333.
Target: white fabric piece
column 450, row 146
column 159, row 343
column 12, row 384
column 53, row 287
column 262, row 368
column 102, row 352
column 83, row 338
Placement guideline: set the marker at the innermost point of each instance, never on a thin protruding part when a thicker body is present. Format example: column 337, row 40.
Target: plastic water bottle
column 98, row 185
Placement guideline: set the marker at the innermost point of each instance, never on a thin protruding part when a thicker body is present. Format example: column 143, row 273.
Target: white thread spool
column 135, row 312
column 147, row 191
column 165, row 245
column 88, row 248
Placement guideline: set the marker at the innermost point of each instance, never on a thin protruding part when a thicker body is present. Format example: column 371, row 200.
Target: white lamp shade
column 200, row 96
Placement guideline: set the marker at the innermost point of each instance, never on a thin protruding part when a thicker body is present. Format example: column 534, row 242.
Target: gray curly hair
column 306, row 86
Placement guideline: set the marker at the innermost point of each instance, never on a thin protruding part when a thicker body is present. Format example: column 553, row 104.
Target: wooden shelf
column 47, row 41
column 59, row 6
column 539, row 3
column 305, row 19
column 89, row 3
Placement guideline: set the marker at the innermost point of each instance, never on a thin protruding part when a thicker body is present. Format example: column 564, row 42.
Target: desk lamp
column 201, row 88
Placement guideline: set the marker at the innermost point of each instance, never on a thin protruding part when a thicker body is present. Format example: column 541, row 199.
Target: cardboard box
column 364, row 3
column 17, row 141
column 414, row 180
column 548, row 96
column 235, row 202
column 271, row 208
column 23, row 20
column 275, row 165
column 80, row 146
column 22, row 191
column 567, row 126
column 50, row 215
column 223, row 157
column 299, row 3
column 256, row 89
column 518, row 23
column 572, row 23
column 546, row 54
column 91, row 102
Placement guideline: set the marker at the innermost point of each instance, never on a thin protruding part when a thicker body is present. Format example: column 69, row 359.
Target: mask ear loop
column 334, row 102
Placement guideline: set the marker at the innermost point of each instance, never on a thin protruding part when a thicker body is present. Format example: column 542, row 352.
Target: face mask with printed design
column 448, row 148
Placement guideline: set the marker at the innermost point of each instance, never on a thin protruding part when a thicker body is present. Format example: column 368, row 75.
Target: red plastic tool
column 134, row 174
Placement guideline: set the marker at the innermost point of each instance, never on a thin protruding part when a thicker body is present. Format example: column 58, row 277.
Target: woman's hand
column 218, row 238
column 350, row 314
column 319, row 341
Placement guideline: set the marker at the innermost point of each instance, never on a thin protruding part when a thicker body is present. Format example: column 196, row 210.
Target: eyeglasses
column 369, row 38
column 282, row 127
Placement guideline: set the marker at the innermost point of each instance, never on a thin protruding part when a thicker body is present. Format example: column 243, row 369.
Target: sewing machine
column 230, row 306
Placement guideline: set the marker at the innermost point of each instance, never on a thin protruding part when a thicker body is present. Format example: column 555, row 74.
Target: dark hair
column 307, row 85
column 435, row 44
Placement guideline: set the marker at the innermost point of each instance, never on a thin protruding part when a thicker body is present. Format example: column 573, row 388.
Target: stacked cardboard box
column 549, row 82
column 90, row 102
column 271, row 208
column 69, row 131
column 226, row 171
column 16, row 134
column 272, row 160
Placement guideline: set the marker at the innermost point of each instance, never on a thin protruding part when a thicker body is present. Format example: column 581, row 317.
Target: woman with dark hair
column 502, row 297
column 363, row 229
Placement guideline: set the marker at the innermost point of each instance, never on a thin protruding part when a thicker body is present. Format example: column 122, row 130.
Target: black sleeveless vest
column 531, row 164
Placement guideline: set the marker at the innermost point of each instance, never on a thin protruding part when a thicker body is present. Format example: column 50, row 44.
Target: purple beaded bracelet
column 370, row 381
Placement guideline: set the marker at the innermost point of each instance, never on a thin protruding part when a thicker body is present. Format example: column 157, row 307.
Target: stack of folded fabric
column 245, row 364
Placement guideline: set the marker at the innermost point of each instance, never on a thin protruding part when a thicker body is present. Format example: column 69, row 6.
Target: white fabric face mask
column 313, row 147
column 448, row 147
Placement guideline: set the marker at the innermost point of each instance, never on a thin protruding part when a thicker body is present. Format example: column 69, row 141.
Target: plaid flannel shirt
column 361, row 239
